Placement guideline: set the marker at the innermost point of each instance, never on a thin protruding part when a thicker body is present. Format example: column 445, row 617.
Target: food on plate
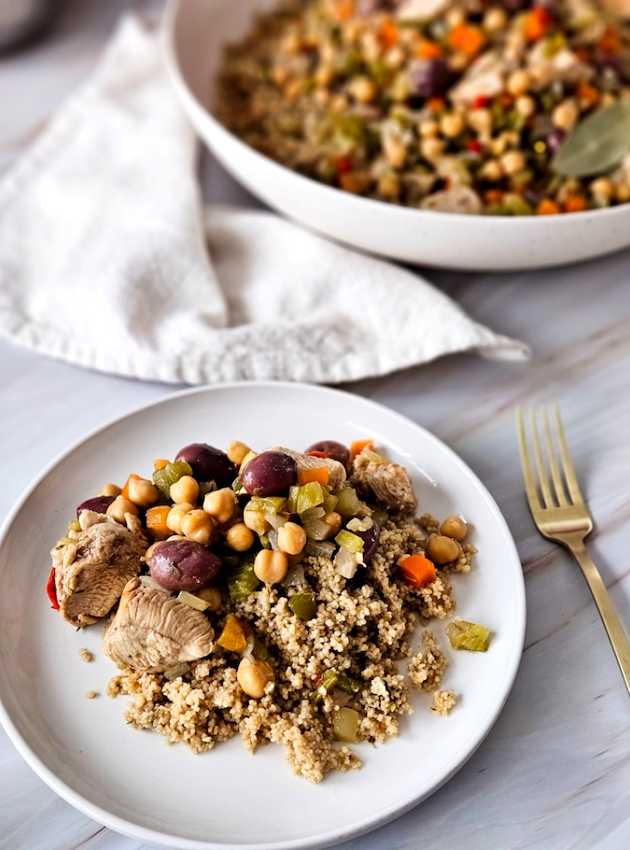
column 467, row 106
column 273, row 595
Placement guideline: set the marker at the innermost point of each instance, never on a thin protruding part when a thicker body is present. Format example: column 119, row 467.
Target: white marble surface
column 554, row 773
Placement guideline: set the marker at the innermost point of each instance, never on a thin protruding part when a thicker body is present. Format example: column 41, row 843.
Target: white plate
column 132, row 781
column 196, row 32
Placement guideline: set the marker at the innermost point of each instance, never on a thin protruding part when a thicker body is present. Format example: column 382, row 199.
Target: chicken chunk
column 92, row 568
column 153, row 631
column 387, row 482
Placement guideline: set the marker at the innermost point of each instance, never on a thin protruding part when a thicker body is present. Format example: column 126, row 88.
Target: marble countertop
column 554, row 774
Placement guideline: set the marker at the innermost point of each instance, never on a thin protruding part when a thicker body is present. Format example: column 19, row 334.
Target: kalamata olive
column 98, row 504
column 208, row 463
column 183, row 565
column 269, row 474
column 429, row 77
column 332, row 449
column 370, row 542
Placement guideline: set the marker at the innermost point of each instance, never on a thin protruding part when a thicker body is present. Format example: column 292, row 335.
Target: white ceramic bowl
column 195, row 34
column 229, row 800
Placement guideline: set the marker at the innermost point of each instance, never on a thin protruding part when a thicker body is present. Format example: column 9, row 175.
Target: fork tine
column 567, row 464
column 542, row 472
column 553, row 464
column 528, row 475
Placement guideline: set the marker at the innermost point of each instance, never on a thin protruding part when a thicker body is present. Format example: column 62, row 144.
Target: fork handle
column 607, row 611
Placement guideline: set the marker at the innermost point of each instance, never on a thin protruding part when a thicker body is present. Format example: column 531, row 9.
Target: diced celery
column 169, row 474
column 193, row 601
column 330, row 503
column 75, row 525
column 310, row 496
column 346, row 725
column 260, row 650
column 266, row 504
column 242, row 582
column 292, row 500
column 303, row 605
column 348, row 503
column 347, row 562
column 349, row 541
column 471, row 636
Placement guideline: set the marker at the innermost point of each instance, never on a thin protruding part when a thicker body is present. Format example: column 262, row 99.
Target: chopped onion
column 295, row 576
column 320, row 549
column 275, row 520
column 346, row 562
column 272, row 537
column 357, row 524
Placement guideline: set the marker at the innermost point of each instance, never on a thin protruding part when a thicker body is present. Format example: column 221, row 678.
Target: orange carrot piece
column 436, row 104
column 160, row 463
column 428, row 50
column 466, row 39
column 547, row 207
column 537, row 23
column 125, row 490
column 156, row 522
column 587, row 94
column 417, row 570
column 575, row 203
column 358, row 445
column 318, row 473
column 389, row 33
column 610, row 42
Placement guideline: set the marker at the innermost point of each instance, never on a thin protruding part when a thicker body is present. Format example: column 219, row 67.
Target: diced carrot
column 547, row 207
column 343, row 10
column 320, row 474
column 587, row 94
column 466, row 39
column 125, row 490
column 417, row 570
column 357, row 446
column 610, row 42
column 389, row 33
column 493, row 196
column 235, row 635
column 537, row 23
column 160, row 463
column 428, row 50
column 575, row 203
column 436, row 104
column 156, row 522
column 354, row 181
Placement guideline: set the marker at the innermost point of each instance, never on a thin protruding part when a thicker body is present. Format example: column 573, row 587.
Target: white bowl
column 196, row 32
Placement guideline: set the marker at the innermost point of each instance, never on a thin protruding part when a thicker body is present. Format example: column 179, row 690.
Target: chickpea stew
column 275, row 595
column 468, row 106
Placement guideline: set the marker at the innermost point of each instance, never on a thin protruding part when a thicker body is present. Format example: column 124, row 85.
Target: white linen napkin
column 107, row 259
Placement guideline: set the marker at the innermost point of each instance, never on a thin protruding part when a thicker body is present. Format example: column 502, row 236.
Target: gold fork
column 562, row 515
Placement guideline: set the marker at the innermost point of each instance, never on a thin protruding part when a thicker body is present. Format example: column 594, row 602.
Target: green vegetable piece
column 172, row 472
column 471, row 636
column 348, row 540
column 242, row 582
column 346, row 725
column 330, row 503
column 597, row 144
column 310, row 496
column 260, row 650
column 347, row 683
column 266, row 504
column 303, row 605
column 192, row 601
column 292, row 500
column 348, row 503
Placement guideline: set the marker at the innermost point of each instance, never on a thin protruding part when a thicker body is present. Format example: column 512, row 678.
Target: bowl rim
column 352, row 830
column 171, row 14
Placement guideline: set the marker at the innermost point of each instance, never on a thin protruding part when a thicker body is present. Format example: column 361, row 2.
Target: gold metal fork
column 561, row 515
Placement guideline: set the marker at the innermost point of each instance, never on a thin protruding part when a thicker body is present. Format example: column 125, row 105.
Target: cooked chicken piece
column 336, row 470
column 387, row 482
column 564, row 66
column 92, row 568
column 458, row 199
column 415, row 10
column 485, row 78
column 152, row 631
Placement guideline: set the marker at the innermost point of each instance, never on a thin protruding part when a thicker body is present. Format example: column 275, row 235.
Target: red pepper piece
column 474, row 146
column 481, row 101
column 51, row 590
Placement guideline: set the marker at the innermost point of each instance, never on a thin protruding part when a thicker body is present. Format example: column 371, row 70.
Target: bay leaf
column 597, row 144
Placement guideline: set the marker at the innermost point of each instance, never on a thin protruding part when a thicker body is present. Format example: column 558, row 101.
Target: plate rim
column 136, row 831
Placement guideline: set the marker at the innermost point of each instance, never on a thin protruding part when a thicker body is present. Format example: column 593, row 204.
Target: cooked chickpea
column 142, row 492
column 525, row 105
column 220, row 504
column 513, row 162
column 431, row 148
column 395, row 151
column 211, row 595
column 270, row 566
column 291, row 538
column 110, row 490
column 197, row 525
column 236, row 451
column 253, row 676
column 256, row 521
column 518, row 83
column 480, row 120
column 455, row 18
column 565, row 115
column 395, row 57
column 185, row 490
column 333, row 520
column 451, row 125
column 429, row 128
column 176, row 515
column 455, row 527
column 491, row 170
column 389, row 185
column 622, row 193
column 443, row 549
column 239, row 537
column 362, row 89
column 602, row 189
column 119, row 507
column 494, row 20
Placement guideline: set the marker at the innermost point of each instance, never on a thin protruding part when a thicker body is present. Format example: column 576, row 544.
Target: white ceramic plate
column 132, row 781
column 196, row 32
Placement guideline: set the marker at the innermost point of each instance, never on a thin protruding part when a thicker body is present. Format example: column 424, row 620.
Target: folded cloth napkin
column 108, row 259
